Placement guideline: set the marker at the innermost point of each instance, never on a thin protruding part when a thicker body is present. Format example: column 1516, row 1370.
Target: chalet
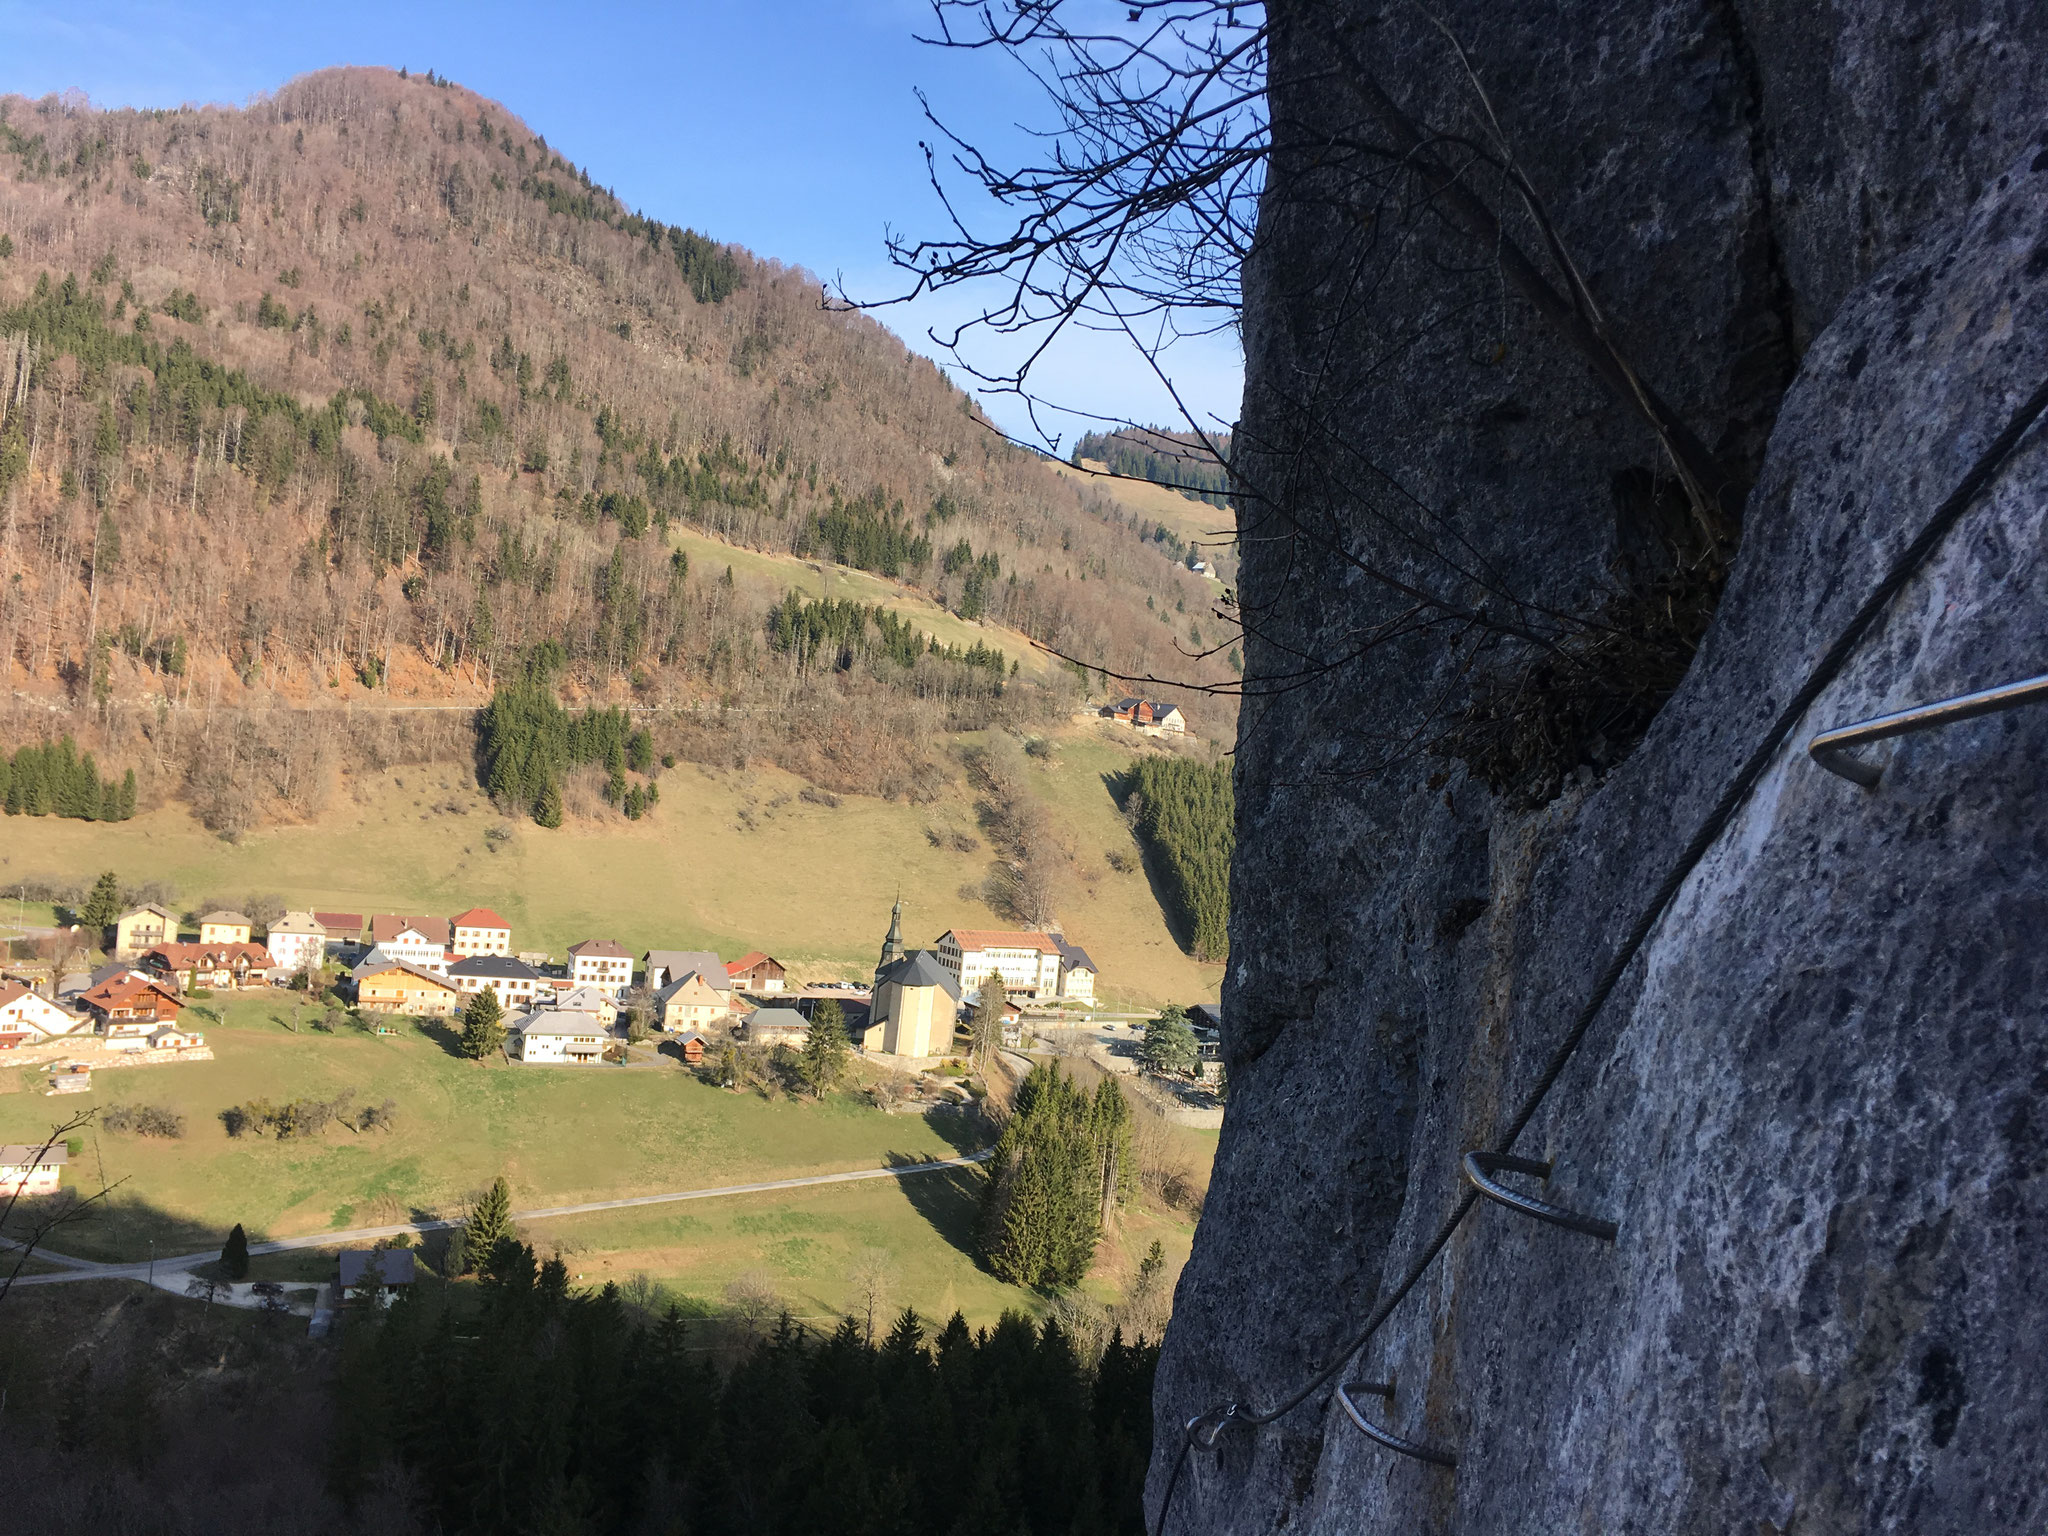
column 28, row 1018
column 26, row 1170
column 565, row 1035
column 756, row 972
column 601, row 963
column 480, row 931
column 297, row 942
column 224, row 928
column 344, row 930
column 392, row 1268
column 1077, row 973
column 168, row 1037
column 1029, row 963
column 915, row 1002
column 129, row 1006
column 214, row 965
column 1148, row 714
column 516, row 983
column 420, row 941
column 659, row 967
column 385, row 985
column 143, row 929
column 777, row 1026
column 689, row 1003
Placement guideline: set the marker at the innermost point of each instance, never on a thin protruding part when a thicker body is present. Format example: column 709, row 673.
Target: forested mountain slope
column 359, row 394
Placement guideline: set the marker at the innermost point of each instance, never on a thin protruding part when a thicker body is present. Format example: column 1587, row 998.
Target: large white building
column 1029, row 963
column 297, row 942
column 28, row 1018
column 420, row 941
column 566, row 1035
column 480, row 931
column 517, row 984
column 601, row 963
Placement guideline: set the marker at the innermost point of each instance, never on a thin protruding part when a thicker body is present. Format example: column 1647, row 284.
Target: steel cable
column 1958, row 501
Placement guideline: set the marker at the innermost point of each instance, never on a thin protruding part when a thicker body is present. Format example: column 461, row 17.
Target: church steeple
column 892, row 947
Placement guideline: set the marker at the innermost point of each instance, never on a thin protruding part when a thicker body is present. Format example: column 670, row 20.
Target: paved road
column 170, row 1272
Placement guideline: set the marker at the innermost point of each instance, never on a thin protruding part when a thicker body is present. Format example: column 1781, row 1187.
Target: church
column 916, row 1001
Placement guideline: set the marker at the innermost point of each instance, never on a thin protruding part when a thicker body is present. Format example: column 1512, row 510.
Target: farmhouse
column 1148, row 714
column 385, row 985
column 916, row 1001
column 566, row 1035
column 777, row 1026
column 28, row 1018
column 1077, row 972
column 130, row 1005
column 224, row 928
column 602, row 963
column 28, row 1170
column 1029, row 963
column 690, row 1003
column 420, row 941
column 662, row 966
column 516, row 983
column 225, row 965
column 143, row 929
column 344, row 930
column 480, row 931
column 756, row 972
column 297, row 942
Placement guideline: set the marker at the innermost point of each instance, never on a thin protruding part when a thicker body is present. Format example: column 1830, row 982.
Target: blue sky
column 789, row 126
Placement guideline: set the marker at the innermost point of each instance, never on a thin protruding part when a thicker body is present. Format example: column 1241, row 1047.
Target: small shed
column 71, row 1080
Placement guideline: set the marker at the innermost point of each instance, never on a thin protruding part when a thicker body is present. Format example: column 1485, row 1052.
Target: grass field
column 733, row 861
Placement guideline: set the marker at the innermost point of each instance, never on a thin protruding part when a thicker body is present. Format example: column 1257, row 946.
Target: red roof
column 117, row 990
column 340, row 922
column 608, row 949
column 179, row 957
column 480, row 917
column 749, row 960
column 972, row 939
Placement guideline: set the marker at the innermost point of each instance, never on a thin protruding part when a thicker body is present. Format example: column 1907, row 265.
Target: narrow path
column 167, row 1268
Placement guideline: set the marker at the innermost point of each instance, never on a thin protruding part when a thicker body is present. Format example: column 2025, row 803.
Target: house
column 777, row 1026
column 914, row 1005
column 1077, row 972
column 601, row 963
column 659, row 967
column 756, row 972
column 392, row 1268
column 1206, row 1016
column 297, row 942
column 585, row 1000
column 28, row 1018
column 28, row 1170
column 689, row 1003
column 128, row 1006
column 567, row 1035
column 385, row 985
column 224, row 928
column 344, row 930
column 210, row 965
column 1029, row 963
column 1149, row 714
column 421, row 941
column 480, row 931
column 516, row 983
column 144, row 928
column 168, row 1037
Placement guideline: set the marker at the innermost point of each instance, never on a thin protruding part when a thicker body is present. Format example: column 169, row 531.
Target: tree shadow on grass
column 950, row 1199
column 439, row 1030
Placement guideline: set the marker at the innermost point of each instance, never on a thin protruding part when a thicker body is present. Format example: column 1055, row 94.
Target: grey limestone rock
column 1818, row 1104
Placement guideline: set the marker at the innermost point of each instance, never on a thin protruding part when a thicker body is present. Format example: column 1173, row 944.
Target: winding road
column 171, row 1274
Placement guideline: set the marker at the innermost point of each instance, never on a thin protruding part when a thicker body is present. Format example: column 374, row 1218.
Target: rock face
column 1818, row 1104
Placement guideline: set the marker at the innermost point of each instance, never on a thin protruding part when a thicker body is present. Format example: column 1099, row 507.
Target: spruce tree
column 126, row 805
column 489, row 1222
column 103, row 905
column 234, row 1254
column 547, row 808
column 483, row 1025
column 1042, row 1208
column 825, row 1048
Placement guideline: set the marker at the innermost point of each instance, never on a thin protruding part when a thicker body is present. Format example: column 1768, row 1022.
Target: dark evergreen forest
column 1185, row 811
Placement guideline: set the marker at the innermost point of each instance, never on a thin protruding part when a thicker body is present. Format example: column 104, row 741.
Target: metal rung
column 1830, row 748
column 1387, row 1437
column 1479, row 1166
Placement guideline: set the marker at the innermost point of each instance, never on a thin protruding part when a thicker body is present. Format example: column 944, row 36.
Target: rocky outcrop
column 1816, row 1104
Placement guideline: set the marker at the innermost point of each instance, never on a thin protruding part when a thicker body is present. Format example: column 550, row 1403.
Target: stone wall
column 1815, row 1106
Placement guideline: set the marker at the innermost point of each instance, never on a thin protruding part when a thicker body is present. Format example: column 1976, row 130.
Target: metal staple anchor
column 1387, row 1437
column 1480, row 1166
column 1831, row 748
column 1203, row 1428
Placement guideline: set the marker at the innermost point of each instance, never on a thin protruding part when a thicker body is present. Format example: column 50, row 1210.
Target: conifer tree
column 234, row 1254
column 483, row 1025
column 489, row 1222
column 1042, row 1209
column 547, row 809
column 825, row 1048
column 103, row 905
